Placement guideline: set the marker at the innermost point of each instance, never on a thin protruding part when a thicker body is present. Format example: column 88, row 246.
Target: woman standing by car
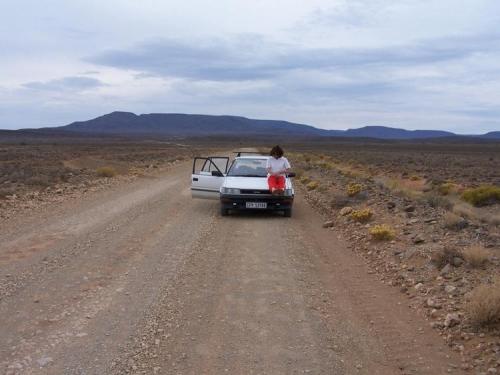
column 277, row 166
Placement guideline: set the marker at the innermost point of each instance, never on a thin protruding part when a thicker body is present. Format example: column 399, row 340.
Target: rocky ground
column 425, row 259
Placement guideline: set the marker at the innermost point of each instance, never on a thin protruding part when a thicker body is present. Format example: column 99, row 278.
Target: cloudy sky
column 337, row 64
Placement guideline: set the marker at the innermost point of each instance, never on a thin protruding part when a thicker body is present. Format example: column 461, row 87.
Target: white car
column 242, row 186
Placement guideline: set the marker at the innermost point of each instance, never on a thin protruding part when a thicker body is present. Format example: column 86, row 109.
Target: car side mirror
column 291, row 174
column 217, row 174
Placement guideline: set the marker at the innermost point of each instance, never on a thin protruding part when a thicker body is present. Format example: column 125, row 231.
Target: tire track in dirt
column 406, row 339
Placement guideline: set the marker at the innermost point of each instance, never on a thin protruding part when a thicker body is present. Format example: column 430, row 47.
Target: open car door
column 208, row 176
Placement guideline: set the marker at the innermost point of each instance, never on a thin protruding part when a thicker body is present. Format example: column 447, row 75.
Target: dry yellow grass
column 362, row 216
column 453, row 221
column 106, row 172
column 482, row 195
column 446, row 188
column 304, row 179
column 476, row 256
column 312, row 185
column 445, row 256
column 483, row 307
column 354, row 189
column 383, row 232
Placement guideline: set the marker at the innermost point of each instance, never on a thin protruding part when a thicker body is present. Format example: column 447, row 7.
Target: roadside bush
column 484, row 305
column 362, row 216
column 445, row 256
column 106, row 172
column 382, row 232
column 354, row 189
column 339, row 200
column 454, row 222
column 476, row 256
column 482, row 195
column 304, row 180
column 446, row 188
column 312, row 185
column 437, row 201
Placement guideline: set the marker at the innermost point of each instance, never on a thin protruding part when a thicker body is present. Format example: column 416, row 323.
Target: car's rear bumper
column 238, row 202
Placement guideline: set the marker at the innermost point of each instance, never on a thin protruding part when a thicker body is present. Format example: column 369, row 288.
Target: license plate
column 256, row 204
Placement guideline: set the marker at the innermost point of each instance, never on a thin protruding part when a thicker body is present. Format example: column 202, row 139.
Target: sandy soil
column 142, row 279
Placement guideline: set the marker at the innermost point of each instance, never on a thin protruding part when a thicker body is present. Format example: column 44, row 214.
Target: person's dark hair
column 277, row 152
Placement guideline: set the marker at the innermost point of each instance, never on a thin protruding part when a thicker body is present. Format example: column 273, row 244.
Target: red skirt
column 276, row 182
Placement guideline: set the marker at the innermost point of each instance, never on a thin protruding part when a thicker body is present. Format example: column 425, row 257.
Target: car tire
column 287, row 212
column 224, row 211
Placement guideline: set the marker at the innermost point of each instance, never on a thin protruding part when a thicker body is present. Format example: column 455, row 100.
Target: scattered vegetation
column 482, row 196
column 304, row 179
column 484, row 304
column 453, row 221
column 436, row 201
column 362, row 216
column 354, row 189
column 476, row 256
column 339, row 200
column 382, row 232
column 445, row 256
column 106, row 172
column 313, row 185
column 446, row 188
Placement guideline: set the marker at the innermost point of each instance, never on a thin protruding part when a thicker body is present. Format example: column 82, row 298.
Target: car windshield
column 248, row 168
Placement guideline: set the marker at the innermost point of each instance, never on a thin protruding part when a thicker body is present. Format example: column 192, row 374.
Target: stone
column 409, row 208
column 450, row 289
column 457, row 261
column 391, row 205
column 445, row 270
column 44, row 361
column 431, row 302
column 346, row 211
column 328, row 224
column 418, row 240
column 451, row 320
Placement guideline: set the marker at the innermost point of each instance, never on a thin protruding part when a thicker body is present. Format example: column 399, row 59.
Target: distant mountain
column 492, row 135
column 127, row 124
column 182, row 125
column 384, row 132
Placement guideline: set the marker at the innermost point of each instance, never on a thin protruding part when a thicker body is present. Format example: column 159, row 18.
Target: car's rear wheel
column 287, row 212
column 224, row 211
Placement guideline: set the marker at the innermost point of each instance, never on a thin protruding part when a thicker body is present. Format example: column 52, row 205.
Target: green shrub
column 106, row 172
column 482, row 195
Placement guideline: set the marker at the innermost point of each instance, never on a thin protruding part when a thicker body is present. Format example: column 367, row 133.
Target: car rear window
column 248, row 168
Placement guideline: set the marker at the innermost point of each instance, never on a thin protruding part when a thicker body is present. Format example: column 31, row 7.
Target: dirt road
column 142, row 279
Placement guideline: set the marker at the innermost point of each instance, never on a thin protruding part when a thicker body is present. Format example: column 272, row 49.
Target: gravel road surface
column 142, row 279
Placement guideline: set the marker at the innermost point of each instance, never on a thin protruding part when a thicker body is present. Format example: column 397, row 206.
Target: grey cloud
column 74, row 83
column 254, row 58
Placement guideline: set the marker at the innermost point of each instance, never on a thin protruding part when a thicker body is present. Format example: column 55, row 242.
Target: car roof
column 261, row 157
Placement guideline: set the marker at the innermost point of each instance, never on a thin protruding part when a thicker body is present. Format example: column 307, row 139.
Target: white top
column 277, row 165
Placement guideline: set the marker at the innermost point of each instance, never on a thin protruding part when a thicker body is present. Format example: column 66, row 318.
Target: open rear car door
column 208, row 176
